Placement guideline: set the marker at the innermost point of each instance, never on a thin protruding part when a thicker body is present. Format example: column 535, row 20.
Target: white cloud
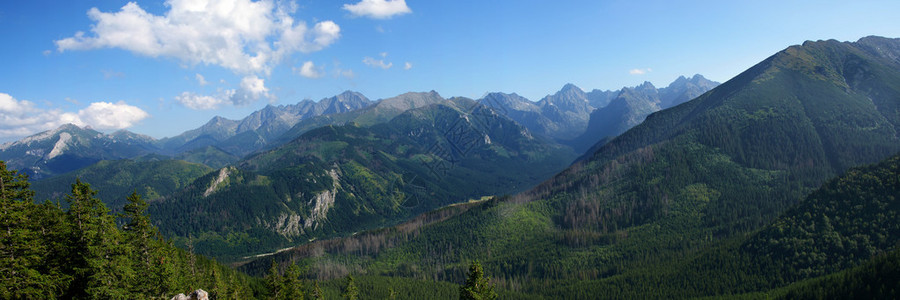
column 640, row 71
column 252, row 88
column 106, row 115
column 308, row 70
column 20, row 118
column 407, row 66
column 378, row 63
column 201, row 80
column 378, row 9
column 199, row 102
column 347, row 74
column 247, row 37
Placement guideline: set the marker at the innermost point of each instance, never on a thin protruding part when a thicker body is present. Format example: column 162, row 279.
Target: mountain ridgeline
column 70, row 148
column 241, row 137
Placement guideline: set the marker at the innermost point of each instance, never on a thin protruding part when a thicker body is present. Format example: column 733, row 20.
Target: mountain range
column 771, row 182
column 566, row 117
column 581, row 119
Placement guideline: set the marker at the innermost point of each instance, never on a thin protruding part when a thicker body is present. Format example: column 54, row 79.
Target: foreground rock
column 199, row 294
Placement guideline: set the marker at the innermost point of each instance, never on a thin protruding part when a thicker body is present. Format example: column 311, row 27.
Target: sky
column 163, row 67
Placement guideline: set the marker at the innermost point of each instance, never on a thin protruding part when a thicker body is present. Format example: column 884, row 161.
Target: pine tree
column 23, row 247
column 274, row 282
column 148, row 255
column 293, row 287
column 317, row 292
column 350, row 291
column 99, row 256
column 477, row 287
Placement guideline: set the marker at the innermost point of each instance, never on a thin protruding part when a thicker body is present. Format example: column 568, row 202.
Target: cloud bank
column 19, row 118
column 247, row 37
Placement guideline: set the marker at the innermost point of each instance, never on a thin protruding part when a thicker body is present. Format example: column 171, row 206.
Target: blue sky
column 163, row 67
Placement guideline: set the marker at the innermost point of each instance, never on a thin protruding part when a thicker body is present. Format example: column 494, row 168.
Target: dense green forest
column 151, row 176
column 81, row 253
column 85, row 252
column 528, row 258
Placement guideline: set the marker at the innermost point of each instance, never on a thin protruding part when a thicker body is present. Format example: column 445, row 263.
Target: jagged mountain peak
column 570, row 87
column 646, row 86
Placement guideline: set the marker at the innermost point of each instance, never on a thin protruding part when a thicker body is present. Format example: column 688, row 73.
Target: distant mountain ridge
column 241, row 137
column 69, row 147
column 632, row 105
column 581, row 119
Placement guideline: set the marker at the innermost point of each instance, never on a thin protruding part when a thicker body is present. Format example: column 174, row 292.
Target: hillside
column 116, row 180
column 701, row 174
column 341, row 179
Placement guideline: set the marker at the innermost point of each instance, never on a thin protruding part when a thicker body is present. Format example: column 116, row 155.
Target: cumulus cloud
column 247, row 37
column 106, row 115
column 378, row 9
column 640, row 71
column 19, row 118
column 308, row 70
column 252, row 88
column 378, row 63
column 407, row 66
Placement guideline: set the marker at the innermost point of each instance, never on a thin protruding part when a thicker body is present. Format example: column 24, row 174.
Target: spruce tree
column 316, row 292
column 99, row 257
column 476, row 286
column 23, row 246
column 293, row 287
column 148, row 256
column 274, row 282
column 350, row 291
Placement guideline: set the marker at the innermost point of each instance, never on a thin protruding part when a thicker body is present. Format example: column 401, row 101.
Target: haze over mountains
column 697, row 189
